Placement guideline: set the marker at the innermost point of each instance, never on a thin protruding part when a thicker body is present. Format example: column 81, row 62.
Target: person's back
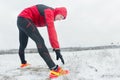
column 36, row 14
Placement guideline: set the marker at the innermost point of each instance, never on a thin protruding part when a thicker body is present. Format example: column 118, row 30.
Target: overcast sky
column 89, row 22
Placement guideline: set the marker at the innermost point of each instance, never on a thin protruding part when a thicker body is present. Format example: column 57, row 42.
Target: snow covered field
column 83, row 65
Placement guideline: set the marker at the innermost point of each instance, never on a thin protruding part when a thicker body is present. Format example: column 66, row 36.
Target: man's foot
column 58, row 72
column 24, row 65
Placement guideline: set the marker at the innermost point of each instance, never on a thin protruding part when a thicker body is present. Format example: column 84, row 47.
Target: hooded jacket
column 42, row 15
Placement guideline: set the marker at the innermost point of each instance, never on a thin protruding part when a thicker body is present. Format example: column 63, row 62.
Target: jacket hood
column 60, row 10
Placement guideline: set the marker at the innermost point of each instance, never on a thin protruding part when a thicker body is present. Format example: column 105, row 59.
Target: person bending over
column 41, row 16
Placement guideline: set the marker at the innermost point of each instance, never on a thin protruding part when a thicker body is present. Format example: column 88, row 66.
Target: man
column 39, row 16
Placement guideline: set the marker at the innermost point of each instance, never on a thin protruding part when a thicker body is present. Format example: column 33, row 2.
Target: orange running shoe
column 24, row 65
column 58, row 72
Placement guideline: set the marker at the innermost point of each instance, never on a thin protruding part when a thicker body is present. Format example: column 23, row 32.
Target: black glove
column 58, row 55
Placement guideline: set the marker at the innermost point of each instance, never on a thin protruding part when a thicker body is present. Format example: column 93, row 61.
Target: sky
column 89, row 22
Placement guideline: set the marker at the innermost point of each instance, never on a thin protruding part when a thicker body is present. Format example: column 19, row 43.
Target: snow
column 83, row 65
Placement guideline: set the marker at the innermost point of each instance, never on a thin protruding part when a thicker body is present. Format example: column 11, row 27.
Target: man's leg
column 30, row 29
column 23, row 40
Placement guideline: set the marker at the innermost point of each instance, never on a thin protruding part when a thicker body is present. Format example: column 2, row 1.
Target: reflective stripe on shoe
column 55, row 73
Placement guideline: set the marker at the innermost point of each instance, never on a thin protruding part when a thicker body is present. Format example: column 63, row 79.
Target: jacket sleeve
column 49, row 16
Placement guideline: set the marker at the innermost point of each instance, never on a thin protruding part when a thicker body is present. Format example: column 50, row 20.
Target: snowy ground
column 83, row 65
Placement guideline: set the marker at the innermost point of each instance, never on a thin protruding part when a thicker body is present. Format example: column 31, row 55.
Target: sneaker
column 24, row 65
column 58, row 72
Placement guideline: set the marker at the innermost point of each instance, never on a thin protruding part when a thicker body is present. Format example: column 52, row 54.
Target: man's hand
column 58, row 55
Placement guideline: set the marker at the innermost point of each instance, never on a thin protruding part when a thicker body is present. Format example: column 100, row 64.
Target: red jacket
column 41, row 16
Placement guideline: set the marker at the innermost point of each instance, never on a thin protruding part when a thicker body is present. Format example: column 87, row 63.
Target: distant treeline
column 33, row 50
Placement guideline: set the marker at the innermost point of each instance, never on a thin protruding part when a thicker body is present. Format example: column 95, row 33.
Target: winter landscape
column 101, row 64
column 89, row 23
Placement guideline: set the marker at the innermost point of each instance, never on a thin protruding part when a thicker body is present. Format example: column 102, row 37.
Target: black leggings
column 28, row 29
